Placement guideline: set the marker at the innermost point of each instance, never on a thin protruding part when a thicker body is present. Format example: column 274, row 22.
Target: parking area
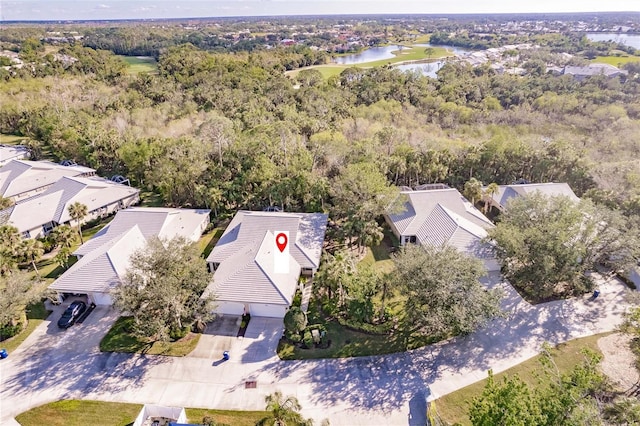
column 80, row 337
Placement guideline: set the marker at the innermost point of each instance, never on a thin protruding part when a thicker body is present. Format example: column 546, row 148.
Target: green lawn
column 138, row 64
column 453, row 407
column 36, row 313
column 378, row 257
column 234, row 418
column 11, row 139
column 81, row 413
column 118, row 339
column 616, row 61
column 208, row 241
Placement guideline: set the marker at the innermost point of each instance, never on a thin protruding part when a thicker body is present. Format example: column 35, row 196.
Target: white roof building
column 104, row 259
column 507, row 192
column 20, row 179
column 245, row 278
column 12, row 152
column 38, row 215
column 439, row 217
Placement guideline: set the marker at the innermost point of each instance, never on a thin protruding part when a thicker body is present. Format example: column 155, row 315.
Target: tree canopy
column 546, row 245
column 163, row 289
column 444, row 295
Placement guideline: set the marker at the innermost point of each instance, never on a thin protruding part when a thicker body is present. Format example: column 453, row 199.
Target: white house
column 439, row 217
column 12, row 152
column 507, row 192
column 38, row 215
column 21, row 179
column 104, row 259
column 245, row 279
column 161, row 415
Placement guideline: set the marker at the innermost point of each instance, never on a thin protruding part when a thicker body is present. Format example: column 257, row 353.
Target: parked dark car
column 71, row 315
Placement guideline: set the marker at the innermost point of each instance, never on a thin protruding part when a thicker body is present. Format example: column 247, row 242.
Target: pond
column 369, row 55
column 632, row 40
column 379, row 53
column 429, row 69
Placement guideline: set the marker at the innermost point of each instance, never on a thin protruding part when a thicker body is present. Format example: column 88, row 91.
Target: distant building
column 38, row 215
column 581, row 73
column 21, row 179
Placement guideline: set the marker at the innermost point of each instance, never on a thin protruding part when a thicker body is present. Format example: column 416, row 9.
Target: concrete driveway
column 378, row 390
column 259, row 343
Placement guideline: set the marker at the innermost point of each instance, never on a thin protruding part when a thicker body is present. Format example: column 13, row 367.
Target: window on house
column 215, row 265
column 410, row 239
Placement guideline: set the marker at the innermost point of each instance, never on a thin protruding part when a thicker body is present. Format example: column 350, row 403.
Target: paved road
column 380, row 390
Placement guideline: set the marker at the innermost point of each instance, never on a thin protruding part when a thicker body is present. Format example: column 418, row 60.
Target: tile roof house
column 507, row 192
column 38, row 215
column 441, row 216
column 245, row 279
column 581, row 73
column 12, row 152
column 20, row 179
column 104, row 259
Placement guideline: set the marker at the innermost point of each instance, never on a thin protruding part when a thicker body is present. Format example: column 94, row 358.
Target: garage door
column 229, row 308
column 100, row 298
column 262, row 310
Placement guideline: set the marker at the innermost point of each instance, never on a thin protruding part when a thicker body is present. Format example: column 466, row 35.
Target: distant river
column 627, row 39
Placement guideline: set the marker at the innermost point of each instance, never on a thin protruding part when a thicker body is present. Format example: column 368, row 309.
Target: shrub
column 8, row 330
column 307, row 340
column 295, row 320
column 295, row 338
column 178, row 333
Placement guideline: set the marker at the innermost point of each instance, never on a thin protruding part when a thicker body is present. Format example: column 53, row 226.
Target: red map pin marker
column 281, row 241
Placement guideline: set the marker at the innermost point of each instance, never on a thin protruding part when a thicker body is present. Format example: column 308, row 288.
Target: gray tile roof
column 594, row 69
column 12, row 152
column 53, row 203
column 442, row 216
column 102, row 268
column 245, row 254
column 152, row 222
column 507, row 192
column 105, row 257
column 20, row 176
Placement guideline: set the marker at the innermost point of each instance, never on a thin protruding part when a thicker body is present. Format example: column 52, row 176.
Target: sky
column 39, row 10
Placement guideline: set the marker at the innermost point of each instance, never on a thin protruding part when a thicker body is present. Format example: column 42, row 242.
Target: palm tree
column 5, row 202
column 31, row 250
column 473, row 190
column 78, row 211
column 63, row 236
column 491, row 190
column 284, row 411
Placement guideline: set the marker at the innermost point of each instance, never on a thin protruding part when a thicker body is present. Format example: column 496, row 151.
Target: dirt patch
column 618, row 361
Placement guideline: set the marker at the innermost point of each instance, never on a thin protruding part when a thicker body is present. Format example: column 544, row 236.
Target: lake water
column 429, row 69
column 379, row 53
column 369, row 55
column 626, row 39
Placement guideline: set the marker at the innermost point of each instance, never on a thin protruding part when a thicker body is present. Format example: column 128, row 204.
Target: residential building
column 581, row 73
column 438, row 217
column 12, row 152
column 38, row 215
column 104, row 260
column 21, row 179
column 507, row 192
column 246, row 279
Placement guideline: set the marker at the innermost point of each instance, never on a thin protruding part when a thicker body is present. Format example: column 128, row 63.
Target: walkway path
column 379, row 390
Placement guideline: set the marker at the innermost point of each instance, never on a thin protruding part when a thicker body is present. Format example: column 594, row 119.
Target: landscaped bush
column 7, row 331
column 382, row 328
column 177, row 334
column 295, row 338
column 295, row 320
column 307, row 340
